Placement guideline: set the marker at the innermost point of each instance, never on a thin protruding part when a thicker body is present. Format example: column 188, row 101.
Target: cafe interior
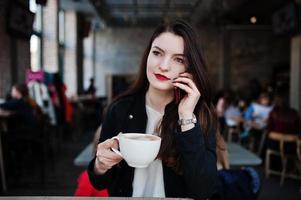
column 71, row 58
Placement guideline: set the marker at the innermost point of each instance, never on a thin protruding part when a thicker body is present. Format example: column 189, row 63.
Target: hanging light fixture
column 253, row 20
column 41, row 2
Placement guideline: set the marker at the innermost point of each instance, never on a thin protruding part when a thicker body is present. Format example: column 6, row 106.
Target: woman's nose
column 165, row 65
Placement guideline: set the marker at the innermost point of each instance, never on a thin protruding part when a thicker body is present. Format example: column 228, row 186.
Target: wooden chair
column 262, row 142
column 281, row 138
column 233, row 129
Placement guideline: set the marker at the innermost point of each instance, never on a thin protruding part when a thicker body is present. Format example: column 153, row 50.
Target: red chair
column 85, row 188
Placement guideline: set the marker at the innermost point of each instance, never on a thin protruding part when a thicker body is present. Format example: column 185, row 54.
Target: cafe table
column 84, row 157
column 238, row 156
column 85, row 198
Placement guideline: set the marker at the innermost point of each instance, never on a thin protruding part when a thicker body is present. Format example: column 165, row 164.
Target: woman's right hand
column 105, row 157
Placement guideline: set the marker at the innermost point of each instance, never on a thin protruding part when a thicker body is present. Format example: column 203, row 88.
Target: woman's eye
column 156, row 53
column 180, row 60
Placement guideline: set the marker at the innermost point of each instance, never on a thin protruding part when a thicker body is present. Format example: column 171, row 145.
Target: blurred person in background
column 24, row 132
column 62, row 106
column 91, row 90
column 40, row 93
column 233, row 115
column 222, row 104
column 255, row 119
column 283, row 119
column 24, row 109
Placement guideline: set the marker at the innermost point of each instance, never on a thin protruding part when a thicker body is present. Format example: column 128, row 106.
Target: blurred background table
column 238, row 156
column 84, row 157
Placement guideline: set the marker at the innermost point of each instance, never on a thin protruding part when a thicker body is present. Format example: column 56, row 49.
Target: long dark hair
column 196, row 66
column 23, row 90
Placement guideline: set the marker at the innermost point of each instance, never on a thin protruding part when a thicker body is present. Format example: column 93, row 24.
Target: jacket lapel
column 136, row 117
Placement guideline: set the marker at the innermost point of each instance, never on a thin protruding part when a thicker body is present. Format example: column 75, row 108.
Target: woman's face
column 264, row 101
column 15, row 93
column 165, row 61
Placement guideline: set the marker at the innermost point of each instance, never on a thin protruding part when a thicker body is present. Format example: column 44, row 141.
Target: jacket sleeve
column 108, row 131
column 198, row 157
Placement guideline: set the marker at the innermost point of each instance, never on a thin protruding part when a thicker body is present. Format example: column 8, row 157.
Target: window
column 61, row 32
column 36, row 38
column 61, row 26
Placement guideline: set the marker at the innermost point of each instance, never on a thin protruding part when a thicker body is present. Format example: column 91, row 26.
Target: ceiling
column 143, row 12
column 151, row 12
column 262, row 10
column 83, row 6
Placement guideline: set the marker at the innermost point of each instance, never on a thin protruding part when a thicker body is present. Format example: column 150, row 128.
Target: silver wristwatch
column 183, row 122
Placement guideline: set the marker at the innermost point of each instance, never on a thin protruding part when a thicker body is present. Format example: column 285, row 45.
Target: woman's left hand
column 189, row 101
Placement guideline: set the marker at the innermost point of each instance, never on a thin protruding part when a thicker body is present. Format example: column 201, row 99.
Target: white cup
column 138, row 149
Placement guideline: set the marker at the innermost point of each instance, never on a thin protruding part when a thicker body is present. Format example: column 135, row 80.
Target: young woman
column 24, row 108
column 171, row 97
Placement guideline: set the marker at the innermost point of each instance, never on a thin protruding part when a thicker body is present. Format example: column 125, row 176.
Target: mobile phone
column 179, row 94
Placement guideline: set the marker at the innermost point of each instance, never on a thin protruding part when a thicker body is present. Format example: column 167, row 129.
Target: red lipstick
column 162, row 77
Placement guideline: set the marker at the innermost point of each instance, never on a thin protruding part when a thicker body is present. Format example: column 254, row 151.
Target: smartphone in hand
column 179, row 94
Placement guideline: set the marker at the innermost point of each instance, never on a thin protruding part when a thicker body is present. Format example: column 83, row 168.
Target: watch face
column 194, row 120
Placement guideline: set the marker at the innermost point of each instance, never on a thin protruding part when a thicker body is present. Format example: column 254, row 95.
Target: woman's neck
column 158, row 99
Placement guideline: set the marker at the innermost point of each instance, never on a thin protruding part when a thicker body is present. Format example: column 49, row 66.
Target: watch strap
column 183, row 122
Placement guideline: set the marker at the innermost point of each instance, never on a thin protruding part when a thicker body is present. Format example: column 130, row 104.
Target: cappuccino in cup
column 138, row 149
column 143, row 137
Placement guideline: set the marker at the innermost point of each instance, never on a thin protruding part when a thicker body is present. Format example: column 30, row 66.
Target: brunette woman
column 171, row 97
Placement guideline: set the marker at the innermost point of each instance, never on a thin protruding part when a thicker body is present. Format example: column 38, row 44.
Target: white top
column 148, row 182
column 261, row 114
column 231, row 113
column 39, row 92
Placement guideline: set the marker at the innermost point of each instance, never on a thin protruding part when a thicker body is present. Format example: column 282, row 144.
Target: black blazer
column 199, row 179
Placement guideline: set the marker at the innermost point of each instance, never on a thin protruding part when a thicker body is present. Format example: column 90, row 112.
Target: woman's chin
column 162, row 88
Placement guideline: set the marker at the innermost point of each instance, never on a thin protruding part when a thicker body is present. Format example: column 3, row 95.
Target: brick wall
column 14, row 55
column 5, row 78
column 210, row 39
column 118, row 51
column 252, row 53
column 23, row 60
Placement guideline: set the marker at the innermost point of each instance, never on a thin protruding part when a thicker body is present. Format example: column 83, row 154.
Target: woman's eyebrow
column 158, row 48
column 178, row 54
